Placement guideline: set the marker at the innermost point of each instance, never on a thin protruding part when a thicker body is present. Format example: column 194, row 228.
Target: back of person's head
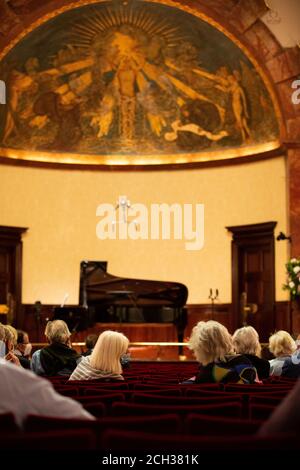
column 13, row 334
column 246, row 341
column 108, row 350
column 11, row 337
column 2, row 332
column 2, row 341
column 57, row 331
column 91, row 340
column 210, row 341
column 22, row 336
column 23, row 343
column 282, row 344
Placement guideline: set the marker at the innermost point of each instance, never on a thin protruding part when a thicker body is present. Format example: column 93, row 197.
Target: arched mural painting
column 132, row 82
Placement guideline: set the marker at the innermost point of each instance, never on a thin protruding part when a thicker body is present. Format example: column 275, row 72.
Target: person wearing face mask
column 23, row 349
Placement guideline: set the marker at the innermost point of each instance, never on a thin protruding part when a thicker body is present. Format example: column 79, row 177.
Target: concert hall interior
column 150, row 169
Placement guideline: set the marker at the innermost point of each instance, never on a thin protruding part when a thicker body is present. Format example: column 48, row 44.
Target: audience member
column 105, row 361
column 23, row 393
column 298, row 342
column 2, row 341
column 13, row 336
column 282, row 345
column 213, row 347
column 286, row 416
column 58, row 358
column 23, row 349
column 291, row 366
column 10, row 340
column 90, row 342
column 246, row 342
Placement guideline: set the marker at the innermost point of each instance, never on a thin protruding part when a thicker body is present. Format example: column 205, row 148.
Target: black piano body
column 105, row 298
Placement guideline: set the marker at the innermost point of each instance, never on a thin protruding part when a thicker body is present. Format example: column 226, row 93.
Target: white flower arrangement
column 293, row 278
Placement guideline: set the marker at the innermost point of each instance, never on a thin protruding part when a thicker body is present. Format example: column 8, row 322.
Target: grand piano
column 106, row 298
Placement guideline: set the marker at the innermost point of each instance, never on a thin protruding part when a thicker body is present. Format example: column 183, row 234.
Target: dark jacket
column 234, row 369
column 261, row 365
column 58, row 358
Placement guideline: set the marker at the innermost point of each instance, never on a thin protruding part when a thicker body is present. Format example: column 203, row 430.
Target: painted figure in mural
column 230, row 83
column 20, row 105
column 239, row 104
column 131, row 79
column 127, row 63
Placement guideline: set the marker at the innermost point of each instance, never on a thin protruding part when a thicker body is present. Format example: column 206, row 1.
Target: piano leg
column 181, row 323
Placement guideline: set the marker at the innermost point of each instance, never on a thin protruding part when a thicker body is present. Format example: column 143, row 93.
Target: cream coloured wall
column 59, row 208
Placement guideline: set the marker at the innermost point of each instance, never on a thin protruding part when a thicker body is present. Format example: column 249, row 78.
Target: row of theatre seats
column 151, row 411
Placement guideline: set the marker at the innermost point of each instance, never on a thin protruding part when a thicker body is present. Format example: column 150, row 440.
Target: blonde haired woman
column 10, row 335
column 58, row 358
column 105, row 361
column 213, row 347
column 246, row 342
column 282, row 345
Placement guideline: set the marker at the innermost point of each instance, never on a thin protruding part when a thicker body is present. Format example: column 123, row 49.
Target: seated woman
column 2, row 341
column 213, row 347
column 23, row 349
column 8, row 345
column 246, row 342
column 105, row 361
column 58, row 358
column 282, row 345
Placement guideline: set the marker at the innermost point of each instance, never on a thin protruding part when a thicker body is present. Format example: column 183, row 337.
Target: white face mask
column 27, row 350
column 2, row 349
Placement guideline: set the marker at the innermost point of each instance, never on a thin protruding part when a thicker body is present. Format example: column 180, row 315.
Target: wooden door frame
column 11, row 237
column 245, row 235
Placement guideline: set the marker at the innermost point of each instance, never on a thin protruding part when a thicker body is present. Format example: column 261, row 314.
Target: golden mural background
column 132, row 83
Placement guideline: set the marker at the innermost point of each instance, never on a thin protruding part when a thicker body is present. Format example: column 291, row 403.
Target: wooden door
column 7, row 264
column 11, row 270
column 253, row 277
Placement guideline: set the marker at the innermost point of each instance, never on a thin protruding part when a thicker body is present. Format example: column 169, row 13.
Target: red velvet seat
column 202, row 392
column 96, row 392
column 107, row 398
column 96, row 409
column 232, row 409
column 116, row 385
column 219, row 426
column 159, row 424
column 262, row 388
column 8, row 423
column 67, row 391
column 204, row 446
column 266, row 399
column 79, row 439
column 171, row 400
column 145, row 386
column 260, row 411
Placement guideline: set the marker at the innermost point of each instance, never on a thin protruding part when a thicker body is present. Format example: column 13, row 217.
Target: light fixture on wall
column 282, row 236
column 124, row 205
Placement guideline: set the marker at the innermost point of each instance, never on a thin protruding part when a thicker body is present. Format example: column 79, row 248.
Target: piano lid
column 97, row 286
